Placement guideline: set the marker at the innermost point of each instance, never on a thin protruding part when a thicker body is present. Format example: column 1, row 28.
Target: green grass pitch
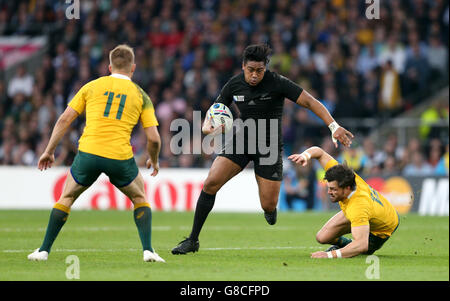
column 233, row 247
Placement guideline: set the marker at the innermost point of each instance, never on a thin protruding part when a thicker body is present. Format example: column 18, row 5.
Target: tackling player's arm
column 153, row 148
column 337, row 132
column 359, row 245
column 314, row 152
column 59, row 130
column 360, row 242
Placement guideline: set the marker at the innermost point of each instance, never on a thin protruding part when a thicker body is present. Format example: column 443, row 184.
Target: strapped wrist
column 333, row 126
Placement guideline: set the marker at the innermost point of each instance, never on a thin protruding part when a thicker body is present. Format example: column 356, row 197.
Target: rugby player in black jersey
column 259, row 95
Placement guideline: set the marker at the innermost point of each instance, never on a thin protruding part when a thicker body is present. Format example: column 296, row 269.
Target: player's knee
column 269, row 205
column 138, row 199
column 321, row 239
column 211, row 185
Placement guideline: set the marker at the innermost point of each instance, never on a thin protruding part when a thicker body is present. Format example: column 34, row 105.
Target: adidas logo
column 275, row 174
column 251, row 102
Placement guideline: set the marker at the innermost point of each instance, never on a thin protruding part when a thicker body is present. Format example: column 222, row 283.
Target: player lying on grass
column 365, row 213
column 113, row 105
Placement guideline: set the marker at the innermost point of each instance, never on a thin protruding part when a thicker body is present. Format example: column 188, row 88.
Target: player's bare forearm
column 308, row 101
column 314, row 152
column 153, row 148
column 338, row 133
column 356, row 247
column 59, row 130
column 360, row 243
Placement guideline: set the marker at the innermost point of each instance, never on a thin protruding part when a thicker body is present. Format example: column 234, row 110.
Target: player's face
column 253, row 72
column 335, row 192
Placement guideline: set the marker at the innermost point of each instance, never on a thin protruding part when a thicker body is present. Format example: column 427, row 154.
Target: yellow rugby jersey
column 365, row 206
column 114, row 105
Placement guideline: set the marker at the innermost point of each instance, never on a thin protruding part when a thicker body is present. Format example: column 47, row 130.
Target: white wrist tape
column 307, row 155
column 333, row 127
column 338, row 254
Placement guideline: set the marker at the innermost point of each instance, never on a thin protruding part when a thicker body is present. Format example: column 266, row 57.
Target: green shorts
column 86, row 168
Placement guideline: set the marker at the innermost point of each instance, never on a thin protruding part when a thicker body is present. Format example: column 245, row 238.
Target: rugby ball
column 221, row 114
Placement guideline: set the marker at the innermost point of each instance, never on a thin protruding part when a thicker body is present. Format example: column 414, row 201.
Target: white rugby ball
column 221, row 114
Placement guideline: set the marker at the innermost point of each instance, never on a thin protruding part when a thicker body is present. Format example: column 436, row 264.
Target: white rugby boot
column 38, row 256
column 152, row 257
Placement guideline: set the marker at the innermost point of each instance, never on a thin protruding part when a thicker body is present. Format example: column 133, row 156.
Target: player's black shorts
column 86, row 168
column 376, row 242
column 272, row 172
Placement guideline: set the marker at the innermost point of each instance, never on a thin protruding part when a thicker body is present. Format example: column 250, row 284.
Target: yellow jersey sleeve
column 358, row 212
column 148, row 117
column 78, row 102
column 330, row 164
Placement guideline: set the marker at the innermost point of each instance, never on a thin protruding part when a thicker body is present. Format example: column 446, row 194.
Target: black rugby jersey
column 263, row 101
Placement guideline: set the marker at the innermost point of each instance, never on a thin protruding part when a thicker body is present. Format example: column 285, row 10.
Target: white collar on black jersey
column 117, row 75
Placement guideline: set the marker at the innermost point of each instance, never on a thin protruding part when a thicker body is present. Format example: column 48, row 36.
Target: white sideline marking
column 134, row 250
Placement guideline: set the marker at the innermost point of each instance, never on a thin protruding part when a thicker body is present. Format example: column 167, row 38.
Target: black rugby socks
column 205, row 204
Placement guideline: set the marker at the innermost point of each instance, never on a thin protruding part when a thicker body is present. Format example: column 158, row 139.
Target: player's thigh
column 221, row 171
column 71, row 191
column 336, row 226
column 269, row 191
column 135, row 191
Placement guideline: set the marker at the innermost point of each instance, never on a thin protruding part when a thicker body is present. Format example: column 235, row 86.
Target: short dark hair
column 257, row 53
column 342, row 174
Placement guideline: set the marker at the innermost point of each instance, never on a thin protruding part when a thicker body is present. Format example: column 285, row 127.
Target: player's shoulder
column 146, row 101
column 273, row 75
column 359, row 200
column 237, row 79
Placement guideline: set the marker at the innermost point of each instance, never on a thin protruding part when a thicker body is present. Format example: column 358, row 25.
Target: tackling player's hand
column 343, row 136
column 155, row 167
column 319, row 254
column 46, row 161
column 299, row 159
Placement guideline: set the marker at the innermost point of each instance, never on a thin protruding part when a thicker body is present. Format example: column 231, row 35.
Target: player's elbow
column 154, row 140
column 153, row 137
column 363, row 246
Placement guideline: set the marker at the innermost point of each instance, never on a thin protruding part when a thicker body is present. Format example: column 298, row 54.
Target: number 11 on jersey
column 123, row 98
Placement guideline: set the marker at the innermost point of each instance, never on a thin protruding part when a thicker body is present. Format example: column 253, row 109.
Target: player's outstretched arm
column 314, row 152
column 359, row 245
column 153, row 148
column 338, row 133
column 59, row 130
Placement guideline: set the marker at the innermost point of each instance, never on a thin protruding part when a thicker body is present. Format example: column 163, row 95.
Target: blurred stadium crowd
column 186, row 50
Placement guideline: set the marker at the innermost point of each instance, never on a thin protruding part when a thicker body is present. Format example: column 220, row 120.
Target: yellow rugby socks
column 58, row 217
column 143, row 219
